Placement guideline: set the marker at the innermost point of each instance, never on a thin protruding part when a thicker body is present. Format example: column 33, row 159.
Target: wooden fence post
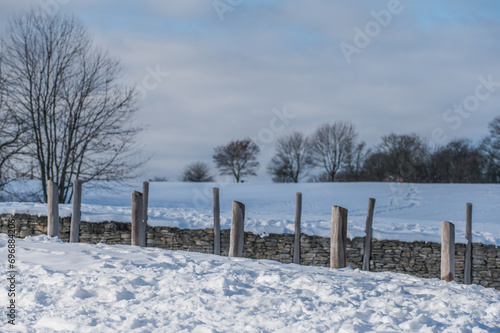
column 53, row 209
column 145, row 198
column 76, row 213
column 237, row 230
column 468, row 249
column 338, row 238
column 216, row 221
column 368, row 238
column 447, row 251
column 137, row 219
column 296, row 241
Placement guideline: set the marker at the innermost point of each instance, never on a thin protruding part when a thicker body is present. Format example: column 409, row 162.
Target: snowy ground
column 402, row 211
column 101, row 288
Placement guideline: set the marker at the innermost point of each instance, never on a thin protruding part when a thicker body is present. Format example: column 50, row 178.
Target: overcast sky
column 264, row 68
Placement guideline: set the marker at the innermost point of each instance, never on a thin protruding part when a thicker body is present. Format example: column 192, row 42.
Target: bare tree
column 405, row 155
column 491, row 158
column 332, row 145
column 66, row 93
column 10, row 134
column 354, row 165
column 322, row 177
column 238, row 158
column 292, row 160
column 494, row 127
column 457, row 162
column 159, row 179
column 490, row 150
column 197, row 172
column 376, row 166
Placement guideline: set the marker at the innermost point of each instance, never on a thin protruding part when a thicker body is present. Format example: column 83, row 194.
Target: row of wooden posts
column 338, row 234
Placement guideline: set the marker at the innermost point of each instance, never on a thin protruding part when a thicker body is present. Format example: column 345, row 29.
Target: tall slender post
column 468, row 249
column 53, row 209
column 368, row 238
column 145, row 198
column 237, row 230
column 338, row 238
column 296, row 241
column 137, row 217
column 216, row 221
column 76, row 212
column 447, row 251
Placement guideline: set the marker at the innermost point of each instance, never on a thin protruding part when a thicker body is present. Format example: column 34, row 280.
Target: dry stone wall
column 420, row 259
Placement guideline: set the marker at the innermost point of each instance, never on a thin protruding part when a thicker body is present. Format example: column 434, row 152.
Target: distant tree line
column 334, row 153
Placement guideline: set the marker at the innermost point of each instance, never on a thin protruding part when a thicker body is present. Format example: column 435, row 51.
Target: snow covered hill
column 403, row 211
column 62, row 287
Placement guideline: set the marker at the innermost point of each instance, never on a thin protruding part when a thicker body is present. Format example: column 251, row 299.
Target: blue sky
column 228, row 78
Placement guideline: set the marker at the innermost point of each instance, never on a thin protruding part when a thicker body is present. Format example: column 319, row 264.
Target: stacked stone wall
column 420, row 259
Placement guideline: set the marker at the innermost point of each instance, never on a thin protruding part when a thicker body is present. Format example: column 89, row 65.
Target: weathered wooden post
column 468, row 249
column 137, row 219
column 216, row 221
column 296, row 241
column 53, row 209
column 338, row 238
column 368, row 238
column 237, row 230
column 145, row 198
column 447, row 251
column 76, row 212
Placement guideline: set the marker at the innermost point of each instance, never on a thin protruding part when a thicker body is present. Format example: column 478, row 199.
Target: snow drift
column 103, row 288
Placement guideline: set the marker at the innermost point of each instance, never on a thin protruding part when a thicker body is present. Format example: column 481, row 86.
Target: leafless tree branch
column 238, row 158
column 65, row 91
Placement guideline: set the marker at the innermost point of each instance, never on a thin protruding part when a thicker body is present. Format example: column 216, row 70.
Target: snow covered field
column 402, row 211
column 62, row 287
